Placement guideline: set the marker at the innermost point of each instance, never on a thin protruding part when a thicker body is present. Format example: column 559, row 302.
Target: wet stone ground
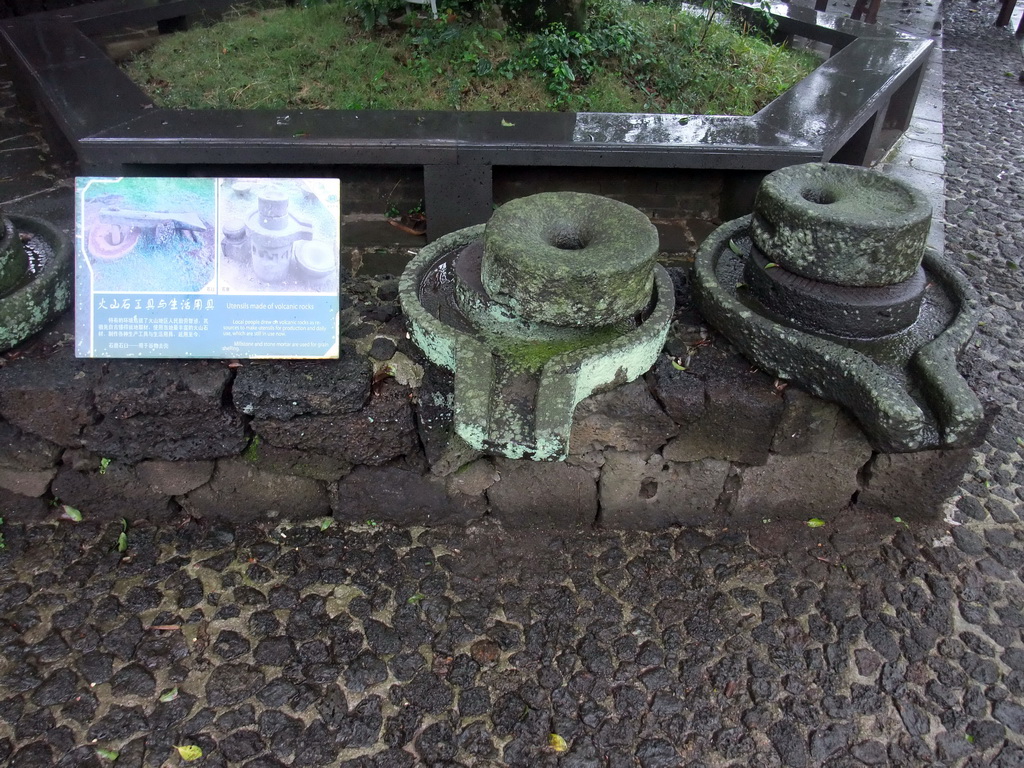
column 863, row 642
column 385, row 647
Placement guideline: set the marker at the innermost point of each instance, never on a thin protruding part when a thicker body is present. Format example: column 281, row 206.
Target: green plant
column 3, row 541
column 122, row 537
column 374, row 12
column 104, row 463
column 628, row 58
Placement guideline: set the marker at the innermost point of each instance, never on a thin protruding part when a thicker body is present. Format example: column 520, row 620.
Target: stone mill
column 829, row 283
column 557, row 297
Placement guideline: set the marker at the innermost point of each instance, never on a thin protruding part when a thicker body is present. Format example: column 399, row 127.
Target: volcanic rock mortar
column 554, row 299
column 35, row 277
column 829, row 283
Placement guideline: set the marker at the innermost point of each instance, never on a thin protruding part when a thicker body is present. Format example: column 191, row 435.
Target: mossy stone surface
column 841, row 224
column 32, row 305
column 13, row 260
column 569, row 258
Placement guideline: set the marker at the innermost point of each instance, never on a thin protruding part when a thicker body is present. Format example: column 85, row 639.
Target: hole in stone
column 648, row 488
column 568, row 240
column 819, row 196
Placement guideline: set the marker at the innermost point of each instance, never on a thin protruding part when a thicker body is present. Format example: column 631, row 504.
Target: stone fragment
column 627, row 419
column 21, row 451
column 680, row 392
column 27, row 482
column 286, row 389
column 230, row 684
column 174, row 478
column 52, row 397
column 913, row 485
column 543, row 495
column 241, row 491
column 473, row 479
column 382, row 349
column 290, row 461
column 637, row 493
column 395, row 495
column 807, row 423
column 790, row 743
column 379, row 433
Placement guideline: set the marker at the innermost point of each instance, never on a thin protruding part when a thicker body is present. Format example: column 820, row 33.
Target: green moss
column 532, row 355
column 252, row 450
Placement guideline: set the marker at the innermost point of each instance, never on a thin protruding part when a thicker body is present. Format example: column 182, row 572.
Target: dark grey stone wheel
column 841, row 224
column 570, row 259
column 839, row 310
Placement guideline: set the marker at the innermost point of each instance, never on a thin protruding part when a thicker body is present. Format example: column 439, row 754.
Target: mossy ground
column 656, row 59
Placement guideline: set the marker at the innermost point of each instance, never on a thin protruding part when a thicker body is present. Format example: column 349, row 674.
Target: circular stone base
column 47, row 292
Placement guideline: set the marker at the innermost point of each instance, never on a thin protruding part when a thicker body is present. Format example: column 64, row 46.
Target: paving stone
column 470, row 646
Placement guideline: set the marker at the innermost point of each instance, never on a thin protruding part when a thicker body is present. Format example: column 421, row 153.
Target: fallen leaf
column 170, row 695
column 735, row 248
column 557, row 743
column 70, row 513
column 189, row 753
column 771, row 265
column 506, row 124
column 109, row 754
column 815, row 522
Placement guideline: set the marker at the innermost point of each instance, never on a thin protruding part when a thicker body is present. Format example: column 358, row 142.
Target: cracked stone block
column 741, row 412
column 627, row 419
column 241, row 491
column 165, row 410
column 651, row 494
column 174, row 478
column 396, row 495
column 913, row 485
column 543, row 495
column 680, row 393
column 435, row 412
column 288, row 461
column 285, row 389
column 19, row 450
column 51, row 398
column 382, row 431
column 798, row 486
column 807, row 423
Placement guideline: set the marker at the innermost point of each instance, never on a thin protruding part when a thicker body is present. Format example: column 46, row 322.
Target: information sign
column 214, row 268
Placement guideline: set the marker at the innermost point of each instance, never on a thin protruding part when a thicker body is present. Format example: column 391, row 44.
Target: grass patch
column 633, row 58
